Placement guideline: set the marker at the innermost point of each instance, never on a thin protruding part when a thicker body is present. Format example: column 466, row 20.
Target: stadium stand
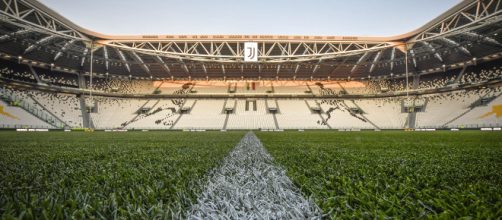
column 296, row 114
column 433, row 81
column 386, row 113
column 485, row 112
column 456, row 109
column 289, row 87
column 114, row 112
column 343, row 114
column 211, row 87
column 16, row 117
column 64, row 106
column 156, row 114
column 486, row 72
column 57, row 78
column 14, row 71
column 251, row 114
column 125, row 86
column 203, row 114
column 443, row 107
column 19, row 110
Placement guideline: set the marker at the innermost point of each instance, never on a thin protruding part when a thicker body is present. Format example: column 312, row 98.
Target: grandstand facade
column 55, row 74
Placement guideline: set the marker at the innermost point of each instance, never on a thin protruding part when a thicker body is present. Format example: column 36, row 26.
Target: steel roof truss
column 64, row 48
column 122, row 57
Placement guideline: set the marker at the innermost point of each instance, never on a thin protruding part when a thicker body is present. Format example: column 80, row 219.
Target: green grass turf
column 133, row 175
column 395, row 174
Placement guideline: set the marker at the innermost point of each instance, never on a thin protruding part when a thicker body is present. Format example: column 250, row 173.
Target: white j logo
column 250, row 52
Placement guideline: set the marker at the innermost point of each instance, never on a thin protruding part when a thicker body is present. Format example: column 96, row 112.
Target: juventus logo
column 250, row 52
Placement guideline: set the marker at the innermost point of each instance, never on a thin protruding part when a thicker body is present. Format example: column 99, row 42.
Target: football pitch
column 142, row 175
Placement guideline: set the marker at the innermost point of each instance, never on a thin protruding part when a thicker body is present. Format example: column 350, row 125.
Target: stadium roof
column 469, row 30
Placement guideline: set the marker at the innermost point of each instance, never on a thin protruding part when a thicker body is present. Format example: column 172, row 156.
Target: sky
column 277, row 17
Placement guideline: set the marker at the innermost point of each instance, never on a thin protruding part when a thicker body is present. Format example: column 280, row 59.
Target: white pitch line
column 249, row 186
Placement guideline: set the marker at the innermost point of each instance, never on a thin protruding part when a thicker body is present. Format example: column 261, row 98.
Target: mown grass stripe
column 248, row 185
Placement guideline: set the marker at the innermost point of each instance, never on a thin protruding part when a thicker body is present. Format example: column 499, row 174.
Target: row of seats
column 452, row 109
column 125, row 86
column 25, row 104
column 473, row 74
column 113, row 112
column 455, row 109
column 250, row 118
column 479, row 76
column 64, row 106
column 17, row 117
column 206, row 114
column 16, row 75
column 386, row 113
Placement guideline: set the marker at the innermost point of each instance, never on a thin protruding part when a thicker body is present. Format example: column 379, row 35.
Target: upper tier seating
column 482, row 75
column 15, row 71
column 57, row 78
